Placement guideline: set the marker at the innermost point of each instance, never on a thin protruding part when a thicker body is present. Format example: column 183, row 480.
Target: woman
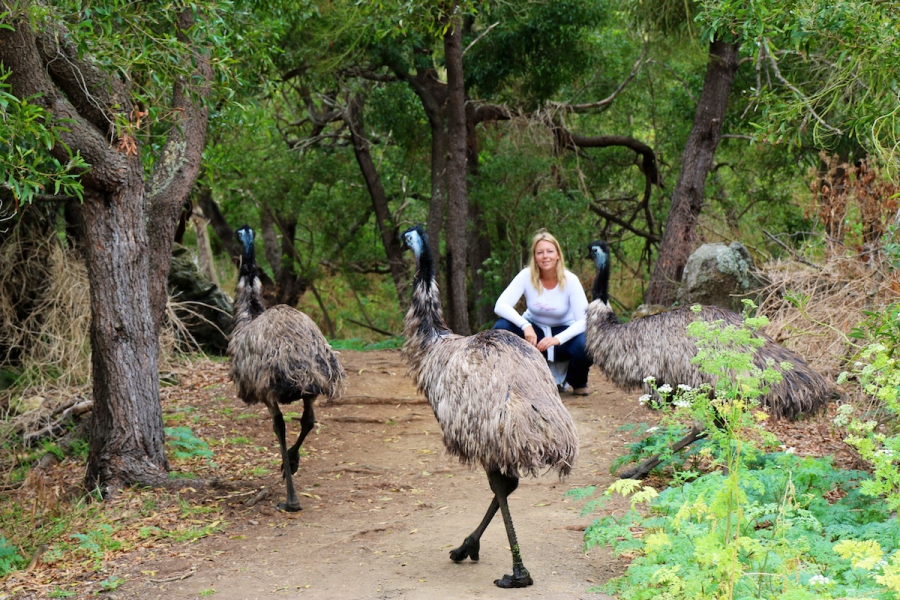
column 554, row 300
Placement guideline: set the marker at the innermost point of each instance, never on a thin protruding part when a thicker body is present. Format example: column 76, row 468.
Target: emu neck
column 600, row 291
column 424, row 322
column 248, row 302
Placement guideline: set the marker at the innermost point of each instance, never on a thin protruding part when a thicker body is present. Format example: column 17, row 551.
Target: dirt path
column 384, row 504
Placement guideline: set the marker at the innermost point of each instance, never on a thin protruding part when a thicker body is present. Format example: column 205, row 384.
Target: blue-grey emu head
column 598, row 252
column 245, row 235
column 415, row 239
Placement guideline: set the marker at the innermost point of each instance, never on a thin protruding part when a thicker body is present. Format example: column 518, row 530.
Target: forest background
column 332, row 126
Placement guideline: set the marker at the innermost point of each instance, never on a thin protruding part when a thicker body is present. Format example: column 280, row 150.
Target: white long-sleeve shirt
column 552, row 307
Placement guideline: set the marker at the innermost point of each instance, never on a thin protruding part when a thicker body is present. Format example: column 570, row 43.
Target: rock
column 207, row 309
column 720, row 275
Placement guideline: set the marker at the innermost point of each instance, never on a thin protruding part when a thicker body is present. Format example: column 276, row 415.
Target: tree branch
column 592, row 106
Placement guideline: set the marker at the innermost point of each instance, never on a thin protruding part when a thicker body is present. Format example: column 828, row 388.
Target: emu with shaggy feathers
column 658, row 345
column 494, row 399
column 279, row 356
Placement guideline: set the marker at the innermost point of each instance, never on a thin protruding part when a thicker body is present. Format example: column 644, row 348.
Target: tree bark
column 390, row 235
column 687, row 199
column 480, row 250
column 127, row 434
column 176, row 170
column 432, row 93
column 457, row 192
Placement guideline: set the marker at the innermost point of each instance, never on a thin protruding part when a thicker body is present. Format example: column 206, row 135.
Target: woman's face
column 546, row 256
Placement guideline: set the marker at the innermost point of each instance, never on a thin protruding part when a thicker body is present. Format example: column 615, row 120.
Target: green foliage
column 183, row 444
column 826, row 70
column 9, row 558
column 534, row 50
column 878, row 373
column 27, row 134
column 773, row 526
column 358, row 344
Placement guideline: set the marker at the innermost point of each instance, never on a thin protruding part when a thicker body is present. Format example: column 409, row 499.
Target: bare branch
column 476, row 40
column 581, row 108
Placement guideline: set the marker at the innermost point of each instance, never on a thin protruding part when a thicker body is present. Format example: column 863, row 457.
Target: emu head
column 245, row 236
column 598, row 252
column 415, row 239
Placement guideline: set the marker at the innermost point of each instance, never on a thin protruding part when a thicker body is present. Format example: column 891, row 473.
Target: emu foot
column 289, row 507
column 469, row 548
column 519, row 579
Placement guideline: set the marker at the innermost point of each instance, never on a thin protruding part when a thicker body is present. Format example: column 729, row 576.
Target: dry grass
column 812, row 309
column 50, row 346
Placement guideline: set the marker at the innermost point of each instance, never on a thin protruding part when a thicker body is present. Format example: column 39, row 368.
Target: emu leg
column 292, row 504
column 472, row 543
column 307, row 422
column 642, row 470
column 502, row 486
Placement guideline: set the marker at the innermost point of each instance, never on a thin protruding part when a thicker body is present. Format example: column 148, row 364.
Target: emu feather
column 279, row 356
column 658, row 346
column 493, row 397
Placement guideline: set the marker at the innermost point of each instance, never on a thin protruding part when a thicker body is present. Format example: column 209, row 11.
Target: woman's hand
column 546, row 343
column 530, row 335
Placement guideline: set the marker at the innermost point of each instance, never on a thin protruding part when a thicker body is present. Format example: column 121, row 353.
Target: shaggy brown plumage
column 658, row 346
column 279, row 356
column 494, row 399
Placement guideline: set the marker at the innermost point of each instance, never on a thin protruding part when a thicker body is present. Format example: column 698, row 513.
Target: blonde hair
column 543, row 235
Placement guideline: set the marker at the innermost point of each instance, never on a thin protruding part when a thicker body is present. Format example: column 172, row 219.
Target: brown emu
column 494, row 399
column 658, row 346
column 279, row 356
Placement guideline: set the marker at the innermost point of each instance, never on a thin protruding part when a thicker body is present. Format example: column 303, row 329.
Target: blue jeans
column 572, row 351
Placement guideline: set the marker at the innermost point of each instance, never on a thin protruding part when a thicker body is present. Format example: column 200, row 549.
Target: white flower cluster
column 816, row 580
column 682, row 403
column 886, row 452
column 651, row 429
column 665, row 388
column 684, row 387
column 644, row 399
column 649, row 379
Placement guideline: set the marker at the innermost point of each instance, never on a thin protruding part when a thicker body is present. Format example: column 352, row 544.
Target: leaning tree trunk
column 457, row 192
column 687, row 199
column 127, row 429
column 390, row 234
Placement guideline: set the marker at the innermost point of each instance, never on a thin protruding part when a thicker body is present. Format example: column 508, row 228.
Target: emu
column 494, row 399
column 278, row 356
column 657, row 345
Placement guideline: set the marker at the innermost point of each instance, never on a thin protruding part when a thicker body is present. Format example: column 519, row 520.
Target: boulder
column 720, row 275
column 200, row 304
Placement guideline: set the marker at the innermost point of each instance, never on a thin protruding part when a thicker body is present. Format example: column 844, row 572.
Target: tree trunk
column 390, row 235
column 457, row 193
column 127, row 429
column 480, row 251
column 127, row 437
column 432, row 94
column 687, row 199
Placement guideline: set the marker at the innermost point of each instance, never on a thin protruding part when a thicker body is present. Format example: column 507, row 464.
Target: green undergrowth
column 739, row 521
column 361, row 345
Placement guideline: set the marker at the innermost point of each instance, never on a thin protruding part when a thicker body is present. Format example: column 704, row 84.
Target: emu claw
column 286, row 507
column 514, row 581
column 469, row 548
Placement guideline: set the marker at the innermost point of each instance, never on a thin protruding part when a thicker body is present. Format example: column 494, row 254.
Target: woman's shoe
column 581, row 391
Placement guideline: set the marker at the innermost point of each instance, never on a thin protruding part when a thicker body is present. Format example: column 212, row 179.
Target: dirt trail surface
column 383, row 505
